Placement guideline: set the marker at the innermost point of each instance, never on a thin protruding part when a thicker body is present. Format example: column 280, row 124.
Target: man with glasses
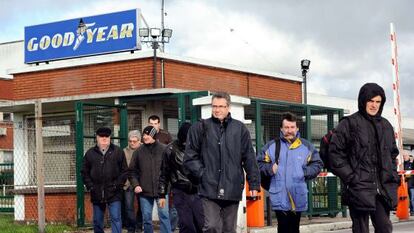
column 129, row 219
column 104, row 172
column 218, row 151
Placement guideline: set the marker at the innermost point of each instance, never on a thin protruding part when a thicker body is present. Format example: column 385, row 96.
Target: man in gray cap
column 130, row 219
column 104, row 172
column 144, row 174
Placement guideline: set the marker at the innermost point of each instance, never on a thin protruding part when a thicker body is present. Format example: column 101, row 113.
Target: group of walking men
column 207, row 164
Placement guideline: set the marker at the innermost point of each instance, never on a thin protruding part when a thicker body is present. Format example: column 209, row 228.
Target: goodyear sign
column 92, row 35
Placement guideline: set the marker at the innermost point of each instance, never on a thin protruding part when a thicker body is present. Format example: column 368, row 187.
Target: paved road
column 402, row 227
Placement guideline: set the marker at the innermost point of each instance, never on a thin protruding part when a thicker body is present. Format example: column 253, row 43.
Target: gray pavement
column 322, row 224
column 308, row 225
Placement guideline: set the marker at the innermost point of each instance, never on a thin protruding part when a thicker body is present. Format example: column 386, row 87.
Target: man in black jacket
column 104, row 172
column 363, row 154
column 145, row 172
column 186, row 200
column 218, row 151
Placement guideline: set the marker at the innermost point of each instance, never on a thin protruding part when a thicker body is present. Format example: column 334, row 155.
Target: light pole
column 304, row 64
column 155, row 36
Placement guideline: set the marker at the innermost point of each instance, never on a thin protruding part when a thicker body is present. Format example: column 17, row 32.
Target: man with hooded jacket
column 363, row 154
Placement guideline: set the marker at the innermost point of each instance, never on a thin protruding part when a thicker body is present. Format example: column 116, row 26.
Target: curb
column 318, row 227
column 309, row 228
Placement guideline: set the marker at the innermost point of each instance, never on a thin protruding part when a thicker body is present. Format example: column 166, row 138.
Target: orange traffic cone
column 403, row 203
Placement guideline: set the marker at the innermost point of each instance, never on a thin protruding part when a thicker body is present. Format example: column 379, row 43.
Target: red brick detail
column 6, row 89
column 107, row 77
column 138, row 74
column 196, row 77
column 6, row 141
column 275, row 89
column 59, row 207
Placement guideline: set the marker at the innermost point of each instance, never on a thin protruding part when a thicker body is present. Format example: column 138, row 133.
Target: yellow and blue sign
column 100, row 34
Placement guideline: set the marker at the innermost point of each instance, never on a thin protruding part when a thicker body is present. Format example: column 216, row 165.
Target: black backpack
column 324, row 148
column 264, row 179
column 324, row 145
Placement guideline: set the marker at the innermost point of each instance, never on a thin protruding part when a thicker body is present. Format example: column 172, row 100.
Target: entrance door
column 90, row 117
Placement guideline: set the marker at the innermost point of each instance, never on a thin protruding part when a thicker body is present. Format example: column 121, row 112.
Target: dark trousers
column 139, row 222
column 288, row 221
column 220, row 216
column 190, row 211
column 128, row 210
column 380, row 218
column 130, row 219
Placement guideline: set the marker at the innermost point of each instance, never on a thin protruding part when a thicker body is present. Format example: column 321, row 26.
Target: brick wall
column 189, row 76
column 59, row 207
column 138, row 74
column 6, row 89
column 6, row 141
column 108, row 77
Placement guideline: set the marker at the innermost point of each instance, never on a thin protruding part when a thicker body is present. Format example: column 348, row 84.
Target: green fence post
column 194, row 111
column 258, row 125
column 309, row 138
column 80, row 193
column 124, row 125
column 181, row 108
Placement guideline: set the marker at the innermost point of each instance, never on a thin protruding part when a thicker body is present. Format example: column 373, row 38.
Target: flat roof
column 132, row 55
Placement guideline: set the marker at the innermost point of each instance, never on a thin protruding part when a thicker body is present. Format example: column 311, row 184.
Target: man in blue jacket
column 297, row 162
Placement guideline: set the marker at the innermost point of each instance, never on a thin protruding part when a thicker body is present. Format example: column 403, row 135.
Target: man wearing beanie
column 186, row 200
column 145, row 167
column 363, row 154
column 104, row 172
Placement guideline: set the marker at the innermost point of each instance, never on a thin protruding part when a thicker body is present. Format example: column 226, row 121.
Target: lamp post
column 155, row 36
column 304, row 64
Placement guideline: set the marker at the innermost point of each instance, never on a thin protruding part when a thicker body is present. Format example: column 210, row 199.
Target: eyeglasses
column 219, row 106
column 133, row 141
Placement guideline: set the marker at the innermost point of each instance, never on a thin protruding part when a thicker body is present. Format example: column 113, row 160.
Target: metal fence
column 19, row 180
column 65, row 140
column 6, row 182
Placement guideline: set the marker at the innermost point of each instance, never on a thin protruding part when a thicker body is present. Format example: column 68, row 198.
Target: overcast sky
column 348, row 42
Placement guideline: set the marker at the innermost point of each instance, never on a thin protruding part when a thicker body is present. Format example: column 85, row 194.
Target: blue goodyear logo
column 93, row 35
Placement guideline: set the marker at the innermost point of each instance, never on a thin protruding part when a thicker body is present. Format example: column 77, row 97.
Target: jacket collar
column 226, row 120
column 110, row 148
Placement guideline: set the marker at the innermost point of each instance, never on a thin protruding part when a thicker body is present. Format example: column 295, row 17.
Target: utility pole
column 40, row 167
column 162, row 23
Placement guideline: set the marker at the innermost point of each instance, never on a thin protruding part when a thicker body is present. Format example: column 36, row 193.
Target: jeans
column 411, row 193
column 138, row 216
column 147, row 204
column 172, row 212
column 129, row 209
column 114, row 212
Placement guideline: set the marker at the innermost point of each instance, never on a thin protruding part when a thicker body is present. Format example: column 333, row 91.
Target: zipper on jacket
column 102, row 172
column 220, row 171
column 292, row 203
